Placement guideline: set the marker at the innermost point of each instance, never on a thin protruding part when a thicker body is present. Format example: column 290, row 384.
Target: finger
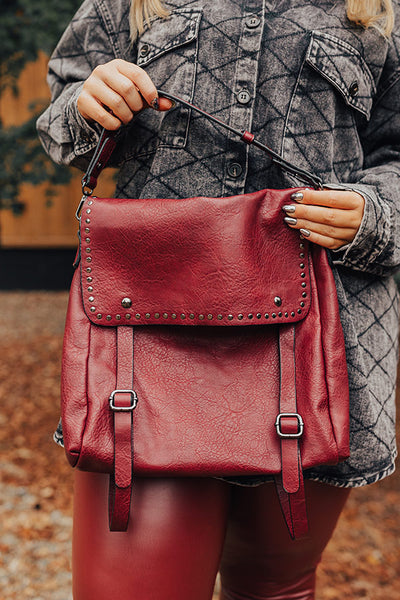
column 126, row 89
column 111, row 99
column 92, row 110
column 142, row 81
column 322, row 240
column 344, row 199
column 339, row 233
column 326, row 215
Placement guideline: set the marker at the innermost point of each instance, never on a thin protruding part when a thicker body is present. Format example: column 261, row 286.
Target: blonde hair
column 366, row 13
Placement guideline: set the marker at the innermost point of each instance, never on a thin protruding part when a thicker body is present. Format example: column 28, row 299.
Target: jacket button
column 243, row 97
column 235, row 170
column 144, row 50
column 253, row 22
column 354, row 89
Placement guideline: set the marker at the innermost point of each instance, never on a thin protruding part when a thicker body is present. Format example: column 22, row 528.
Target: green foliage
column 26, row 28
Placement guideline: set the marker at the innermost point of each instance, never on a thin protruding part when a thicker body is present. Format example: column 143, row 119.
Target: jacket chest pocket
column 167, row 51
column 334, row 92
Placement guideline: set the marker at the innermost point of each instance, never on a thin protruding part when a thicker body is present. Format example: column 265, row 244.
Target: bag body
column 218, row 328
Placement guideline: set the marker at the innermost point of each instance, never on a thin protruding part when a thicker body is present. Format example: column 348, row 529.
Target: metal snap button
column 144, row 50
column 354, row 89
column 235, row 170
column 253, row 22
column 243, row 97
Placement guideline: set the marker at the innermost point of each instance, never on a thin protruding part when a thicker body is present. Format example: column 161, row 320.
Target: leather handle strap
column 107, row 143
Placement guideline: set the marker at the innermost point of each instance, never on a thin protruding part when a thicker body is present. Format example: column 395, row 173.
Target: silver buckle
column 300, row 425
column 134, row 400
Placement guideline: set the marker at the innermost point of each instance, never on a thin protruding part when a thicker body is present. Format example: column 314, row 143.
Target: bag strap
column 107, row 143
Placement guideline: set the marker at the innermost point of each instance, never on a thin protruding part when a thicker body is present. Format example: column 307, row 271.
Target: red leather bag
column 202, row 339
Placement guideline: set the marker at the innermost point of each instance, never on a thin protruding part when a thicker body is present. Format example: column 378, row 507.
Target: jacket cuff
column 85, row 135
column 373, row 235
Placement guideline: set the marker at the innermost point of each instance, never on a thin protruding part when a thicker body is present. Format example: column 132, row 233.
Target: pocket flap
column 345, row 68
column 180, row 28
column 196, row 261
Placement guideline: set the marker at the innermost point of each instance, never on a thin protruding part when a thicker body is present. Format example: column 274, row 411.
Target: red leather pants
column 182, row 531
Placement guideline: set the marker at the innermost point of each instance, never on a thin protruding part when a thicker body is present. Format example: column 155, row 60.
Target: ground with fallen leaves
column 361, row 561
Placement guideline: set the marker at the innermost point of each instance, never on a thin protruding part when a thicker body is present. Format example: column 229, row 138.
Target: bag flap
column 193, row 261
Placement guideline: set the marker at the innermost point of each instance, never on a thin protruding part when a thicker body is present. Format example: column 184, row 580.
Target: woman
column 319, row 81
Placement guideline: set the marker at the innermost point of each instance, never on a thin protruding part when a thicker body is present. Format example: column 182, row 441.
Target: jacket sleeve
column 376, row 247
column 89, row 40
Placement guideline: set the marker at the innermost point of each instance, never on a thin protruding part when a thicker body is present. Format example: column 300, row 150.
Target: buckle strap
column 289, row 426
column 122, row 401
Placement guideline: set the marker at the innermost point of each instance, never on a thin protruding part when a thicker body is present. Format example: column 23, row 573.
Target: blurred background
column 37, row 246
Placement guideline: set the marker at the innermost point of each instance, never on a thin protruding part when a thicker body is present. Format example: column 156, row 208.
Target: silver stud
column 89, row 279
column 299, row 311
column 240, row 316
column 157, row 315
column 230, row 317
column 219, row 317
column 88, row 259
column 279, row 314
column 88, row 250
column 118, row 317
column 301, row 265
column 108, row 317
column 302, row 304
column 88, row 269
column 165, row 315
column 273, row 315
column 209, row 317
column 87, row 240
column 278, row 301
column 90, row 202
column 302, row 275
column 293, row 313
column 126, row 302
column 87, row 221
column 91, row 298
column 137, row 316
column 99, row 316
column 147, row 315
column 301, row 254
column 249, row 316
column 302, row 245
column 303, row 284
column 258, row 315
column 183, row 316
column 92, row 309
column 173, row 315
column 88, row 211
column 304, row 294
column 127, row 316
column 87, row 230
column 266, row 315
column 191, row 316
column 286, row 314
column 90, row 289
column 201, row 317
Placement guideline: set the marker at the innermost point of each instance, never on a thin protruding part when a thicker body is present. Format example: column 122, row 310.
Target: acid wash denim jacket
column 320, row 91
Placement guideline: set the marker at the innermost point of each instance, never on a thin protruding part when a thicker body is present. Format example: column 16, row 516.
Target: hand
column 115, row 91
column 330, row 218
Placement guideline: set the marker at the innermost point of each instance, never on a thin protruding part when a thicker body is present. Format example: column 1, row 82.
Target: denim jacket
column 320, row 91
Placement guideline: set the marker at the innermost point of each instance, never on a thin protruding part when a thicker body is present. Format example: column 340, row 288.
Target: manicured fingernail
column 289, row 208
column 290, row 220
column 298, row 196
column 155, row 103
column 305, row 232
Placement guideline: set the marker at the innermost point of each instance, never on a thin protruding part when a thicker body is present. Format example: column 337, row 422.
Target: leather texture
column 196, row 261
column 208, row 396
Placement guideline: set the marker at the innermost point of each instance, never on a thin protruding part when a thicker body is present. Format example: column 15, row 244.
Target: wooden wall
column 43, row 223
